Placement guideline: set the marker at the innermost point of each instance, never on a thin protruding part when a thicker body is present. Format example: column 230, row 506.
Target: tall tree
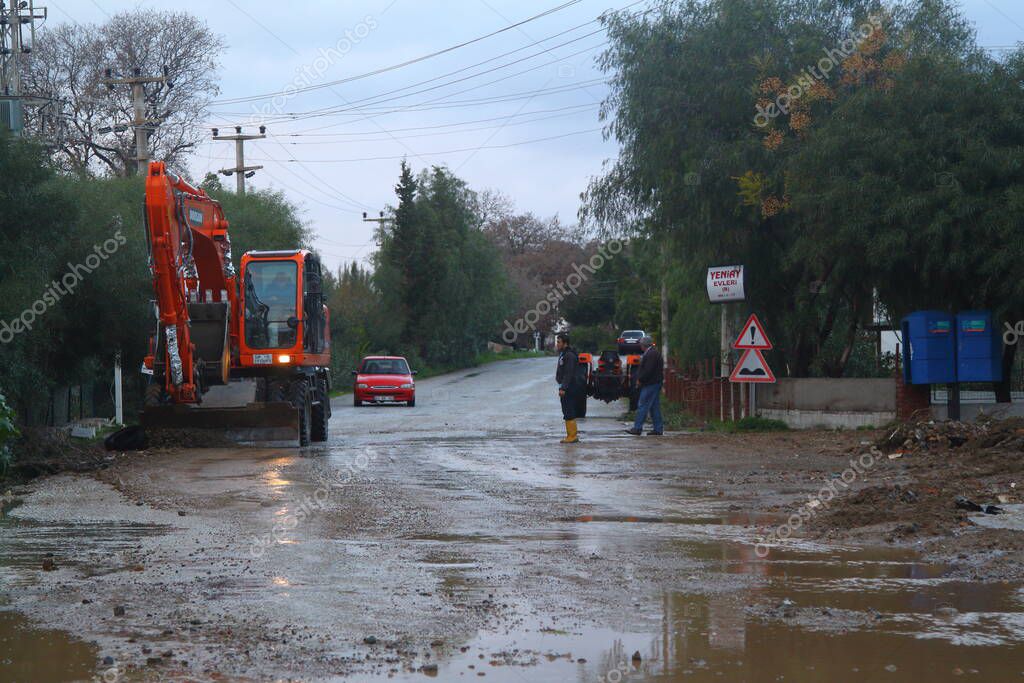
column 437, row 271
column 848, row 153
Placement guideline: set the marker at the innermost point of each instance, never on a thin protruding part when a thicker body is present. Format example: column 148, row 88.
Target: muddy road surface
column 459, row 540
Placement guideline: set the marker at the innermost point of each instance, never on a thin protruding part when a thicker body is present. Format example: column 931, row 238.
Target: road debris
column 965, row 504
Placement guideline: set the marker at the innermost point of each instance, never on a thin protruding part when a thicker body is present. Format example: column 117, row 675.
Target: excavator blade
column 272, row 424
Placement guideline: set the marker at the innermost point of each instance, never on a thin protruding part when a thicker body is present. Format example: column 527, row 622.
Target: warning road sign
column 752, row 368
column 752, row 336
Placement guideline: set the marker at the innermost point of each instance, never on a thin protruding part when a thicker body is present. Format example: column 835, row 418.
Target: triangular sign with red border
column 753, row 335
column 752, row 368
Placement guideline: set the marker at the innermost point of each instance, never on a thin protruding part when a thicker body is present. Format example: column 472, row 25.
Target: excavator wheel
column 299, row 397
column 276, row 392
column 321, row 412
column 156, row 395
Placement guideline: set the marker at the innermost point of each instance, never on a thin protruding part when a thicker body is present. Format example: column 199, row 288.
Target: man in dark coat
column 569, row 385
column 650, row 377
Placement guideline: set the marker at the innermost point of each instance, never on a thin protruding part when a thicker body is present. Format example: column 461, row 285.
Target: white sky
column 271, row 44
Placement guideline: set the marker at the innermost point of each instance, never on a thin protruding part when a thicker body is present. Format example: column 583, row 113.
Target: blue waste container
column 929, row 344
column 979, row 348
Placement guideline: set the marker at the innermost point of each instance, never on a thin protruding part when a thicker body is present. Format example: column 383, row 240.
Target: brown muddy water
column 41, row 656
column 850, row 615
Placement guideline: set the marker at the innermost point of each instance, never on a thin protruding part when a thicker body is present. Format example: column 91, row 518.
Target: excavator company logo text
column 60, row 288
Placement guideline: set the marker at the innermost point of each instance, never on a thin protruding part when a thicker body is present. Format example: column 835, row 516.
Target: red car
column 384, row 379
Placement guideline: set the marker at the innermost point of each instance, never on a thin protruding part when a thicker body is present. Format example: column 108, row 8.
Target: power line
column 330, row 190
column 339, row 95
column 393, row 67
column 211, row 158
column 450, row 151
column 435, row 127
column 529, row 37
column 381, row 98
column 376, row 100
column 307, row 196
column 437, row 134
column 455, row 104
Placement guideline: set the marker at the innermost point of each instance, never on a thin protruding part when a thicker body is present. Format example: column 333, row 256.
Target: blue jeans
column 650, row 401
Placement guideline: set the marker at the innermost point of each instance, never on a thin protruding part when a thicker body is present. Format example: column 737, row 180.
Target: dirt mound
column 932, row 436
column 935, row 464
column 47, row 450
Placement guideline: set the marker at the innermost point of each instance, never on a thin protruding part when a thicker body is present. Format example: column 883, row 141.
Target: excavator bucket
column 270, row 424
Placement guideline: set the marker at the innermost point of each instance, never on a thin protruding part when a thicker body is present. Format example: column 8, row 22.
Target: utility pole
column 15, row 15
column 240, row 171
column 140, row 122
column 118, row 397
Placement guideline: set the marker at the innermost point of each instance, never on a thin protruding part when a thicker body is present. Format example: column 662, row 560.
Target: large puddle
column 852, row 615
column 702, row 641
column 32, row 655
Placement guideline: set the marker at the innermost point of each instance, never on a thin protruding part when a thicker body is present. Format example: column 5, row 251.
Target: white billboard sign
column 725, row 283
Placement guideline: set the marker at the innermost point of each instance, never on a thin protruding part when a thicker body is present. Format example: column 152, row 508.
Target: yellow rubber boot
column 570, row 432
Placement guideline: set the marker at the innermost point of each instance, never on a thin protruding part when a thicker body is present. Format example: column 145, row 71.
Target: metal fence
column 702, row 392
column 982, row 392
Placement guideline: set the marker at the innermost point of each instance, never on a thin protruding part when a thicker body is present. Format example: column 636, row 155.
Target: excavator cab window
column 271, row 300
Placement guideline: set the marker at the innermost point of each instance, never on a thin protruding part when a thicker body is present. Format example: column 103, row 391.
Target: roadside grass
column 749, row 424
column 426, row 372
column 676, row 419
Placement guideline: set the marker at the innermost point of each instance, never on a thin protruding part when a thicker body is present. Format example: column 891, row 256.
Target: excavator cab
column 285, row 321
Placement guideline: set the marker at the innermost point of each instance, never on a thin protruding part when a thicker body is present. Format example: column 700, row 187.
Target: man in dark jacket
column 650, row 377
column 569, row 386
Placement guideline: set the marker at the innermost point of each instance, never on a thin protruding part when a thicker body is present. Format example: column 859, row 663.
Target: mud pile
column 934, row 469
column 42, row 451
column 915, row 437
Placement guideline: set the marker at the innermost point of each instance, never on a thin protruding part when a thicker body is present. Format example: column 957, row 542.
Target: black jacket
column 651, row 368
column 567, row 373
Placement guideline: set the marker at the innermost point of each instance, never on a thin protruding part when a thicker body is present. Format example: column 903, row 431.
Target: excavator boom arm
column 190, row 261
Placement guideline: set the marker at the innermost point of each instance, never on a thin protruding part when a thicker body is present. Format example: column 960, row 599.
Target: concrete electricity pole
column 240, row 171
column 15, row 15
column 140, row 122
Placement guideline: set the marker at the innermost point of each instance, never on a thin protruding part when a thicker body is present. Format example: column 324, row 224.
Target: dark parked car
column 629, row 342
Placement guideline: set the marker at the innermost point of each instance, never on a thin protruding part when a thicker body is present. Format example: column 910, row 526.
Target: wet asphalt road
column 460, row 539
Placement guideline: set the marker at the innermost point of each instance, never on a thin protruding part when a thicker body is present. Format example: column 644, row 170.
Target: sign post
column 725, row 284
column 752, row 367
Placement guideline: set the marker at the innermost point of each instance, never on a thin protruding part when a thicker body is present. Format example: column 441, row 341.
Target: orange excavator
column 266, row 322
